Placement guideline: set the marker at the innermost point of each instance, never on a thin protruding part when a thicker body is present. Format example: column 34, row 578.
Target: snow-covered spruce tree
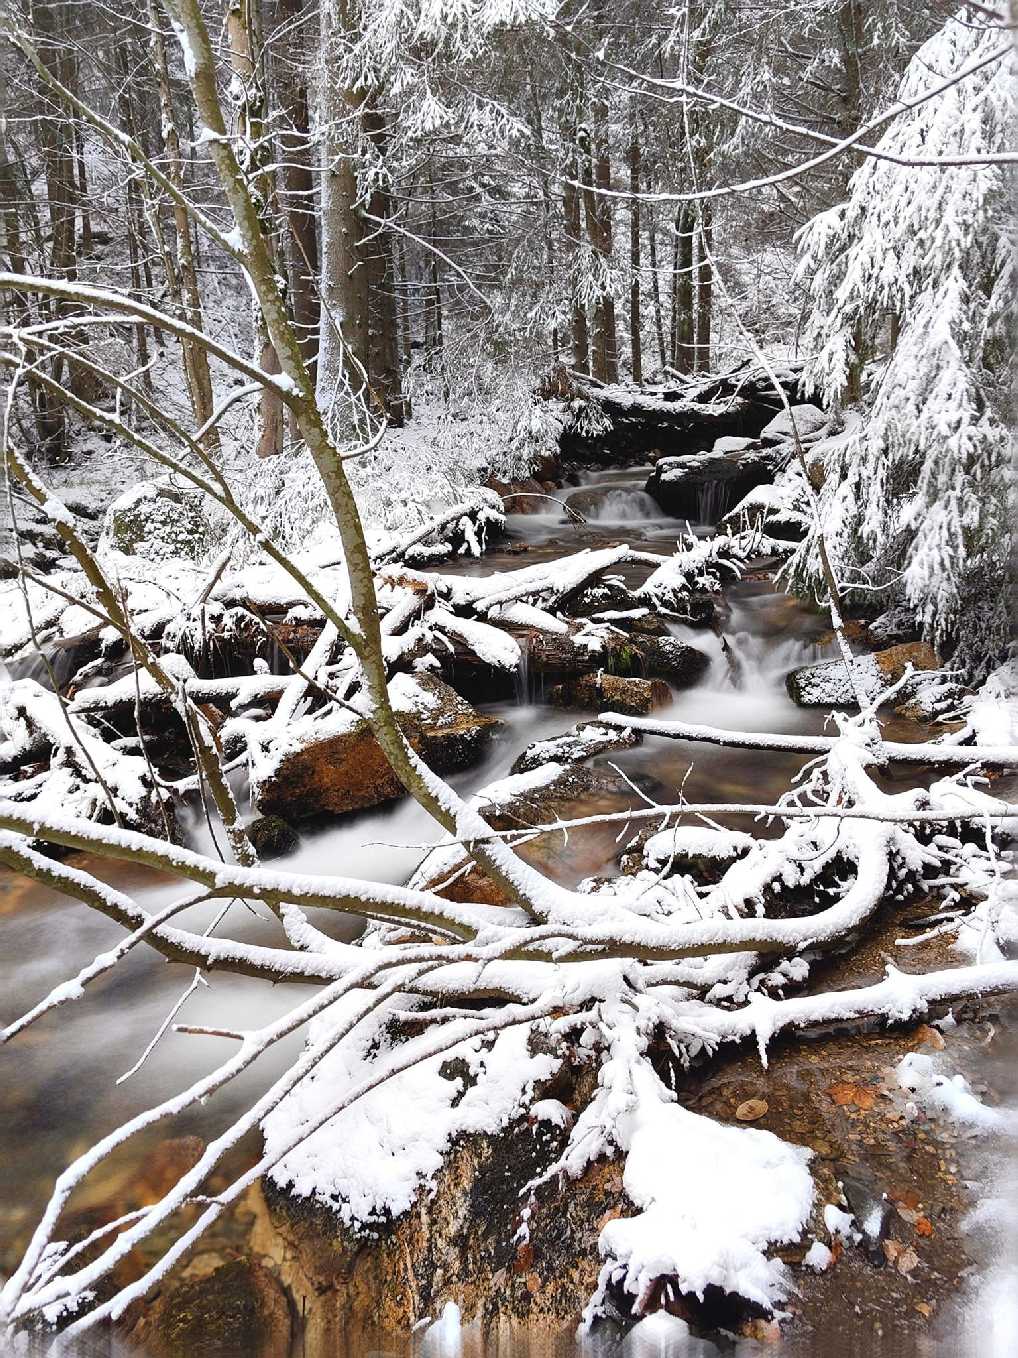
column 915, row 273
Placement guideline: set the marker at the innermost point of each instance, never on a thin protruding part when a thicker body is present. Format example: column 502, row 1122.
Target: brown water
column 59, row 1087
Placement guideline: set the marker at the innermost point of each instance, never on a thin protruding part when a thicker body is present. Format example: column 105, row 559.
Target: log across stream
column 64, row 1087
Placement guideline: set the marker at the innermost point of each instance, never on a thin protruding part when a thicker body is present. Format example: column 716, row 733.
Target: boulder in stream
column 636, row 697
column 336, row 765
column 584, row 742
column 702, row 487
column 827, row 684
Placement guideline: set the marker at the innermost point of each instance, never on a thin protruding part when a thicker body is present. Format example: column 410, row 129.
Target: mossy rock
column 158, row 520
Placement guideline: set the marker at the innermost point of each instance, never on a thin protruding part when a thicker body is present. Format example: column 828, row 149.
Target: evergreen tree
column 914, row 273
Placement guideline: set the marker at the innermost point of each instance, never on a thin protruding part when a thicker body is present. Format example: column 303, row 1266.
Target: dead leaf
column 908, row 1197
column 906, row 1260
column 925, row 1036
column 844, row 1093
column 924, row 1308
column 924, row 1226
column 892, row 1249
column 751, row 1110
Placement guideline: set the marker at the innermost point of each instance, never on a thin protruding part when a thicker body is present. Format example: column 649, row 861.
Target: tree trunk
column 299, row 185
column 596, row 172
column 683, row 342
column 405, row 319
column 382, row 359
column 183, row 271
column 57, row 145
column 704, row 287
column 86, row 216
column 255, row 155
column 635, row 341
column 655, row 281
column 10, row 208
column 851, row 38
column 577, row 310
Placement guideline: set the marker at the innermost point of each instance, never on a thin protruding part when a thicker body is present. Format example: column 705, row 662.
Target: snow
column 371, row 1160
column 711, row 1199
column 695, row 841
column 942, row 1095
column 818, row 1257
column 408, row 694
column 491, row 645
column 553, row 1111
column 840, row 1224
column 730, row 443
column 805, row 419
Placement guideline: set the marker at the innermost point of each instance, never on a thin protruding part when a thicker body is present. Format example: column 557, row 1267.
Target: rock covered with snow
column 808, row 420
column 827, row 684
column 585, row 742
column 731, row 443
column 702, row 487
column 161, row 519
column 940, row 1094
column 333, row 765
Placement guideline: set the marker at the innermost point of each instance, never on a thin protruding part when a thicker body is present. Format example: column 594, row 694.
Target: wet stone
column 635, row 697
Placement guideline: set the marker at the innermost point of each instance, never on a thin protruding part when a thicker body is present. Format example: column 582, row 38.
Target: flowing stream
column 62, row 1085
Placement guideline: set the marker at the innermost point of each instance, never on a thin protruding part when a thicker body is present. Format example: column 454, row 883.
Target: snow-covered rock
column 731, row 443
column 950, row 1097
column 809, row 420
column 161, row 519
column 827, row 684
column 585, row 742
column 334, row 764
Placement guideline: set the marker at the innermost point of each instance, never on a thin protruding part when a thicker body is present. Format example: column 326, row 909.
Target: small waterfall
column 521, row 679
column 760, row 663
column 624, row 505
column 714, row 499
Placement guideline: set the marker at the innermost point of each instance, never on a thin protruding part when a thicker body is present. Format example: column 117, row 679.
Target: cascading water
column 521, row 679
column 624, row 505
